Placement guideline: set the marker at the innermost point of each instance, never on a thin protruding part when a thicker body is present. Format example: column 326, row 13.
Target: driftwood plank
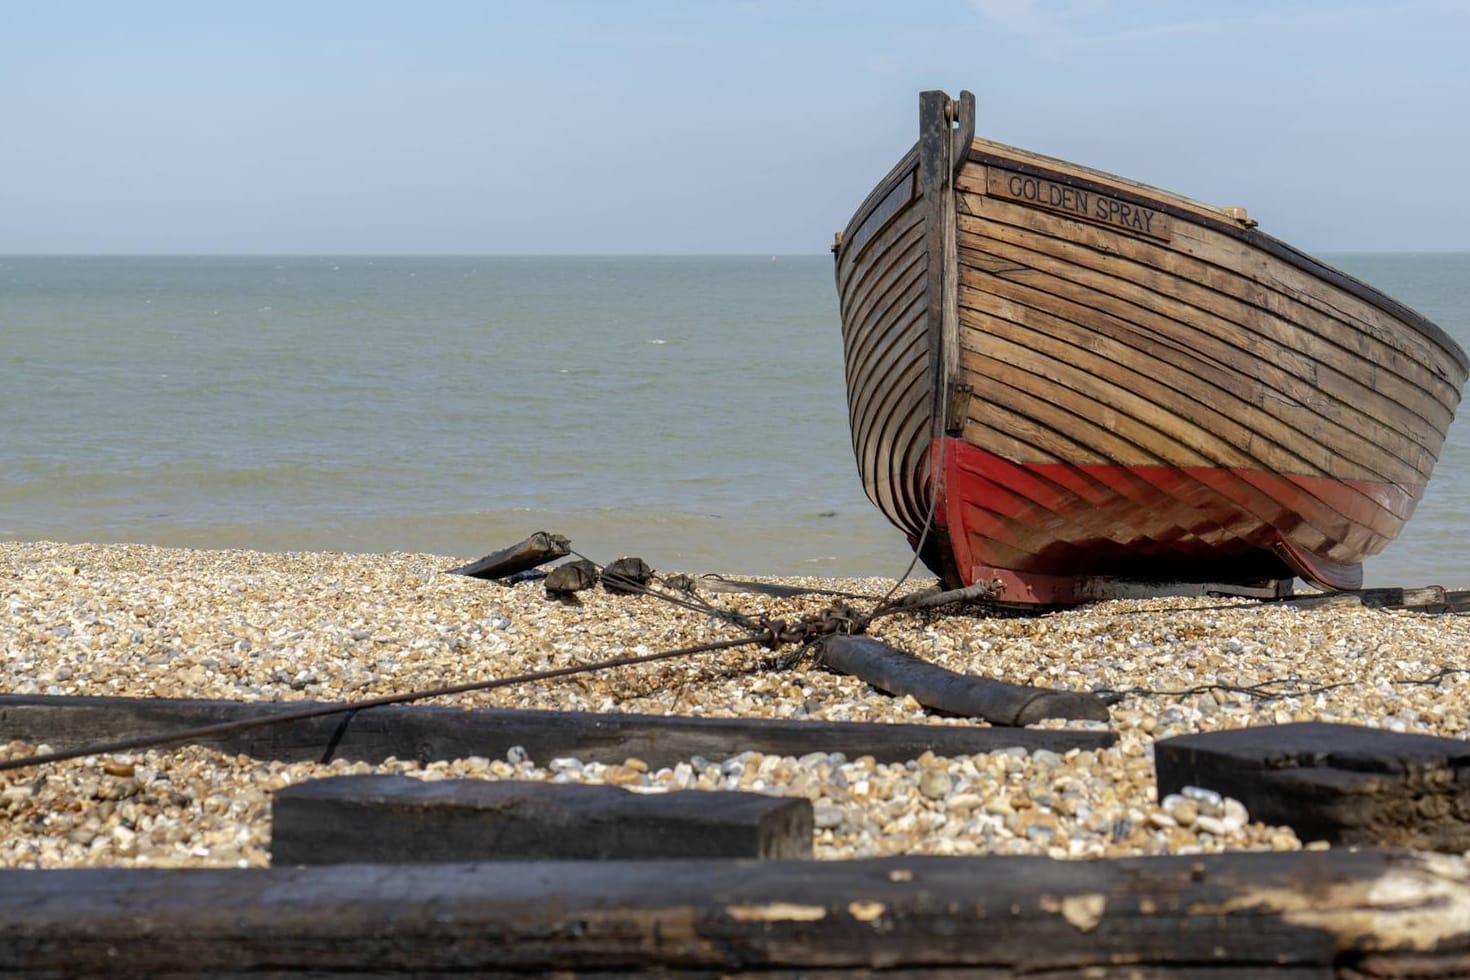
column 1340, row 783
column 538, row 549
column 397, row 819
column 899, row 672
column 427, row 733
column 1304, row 914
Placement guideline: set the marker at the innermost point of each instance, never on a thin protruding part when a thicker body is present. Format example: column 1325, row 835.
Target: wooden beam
column 399, row 819
column 1341, row 783
column 538, row 549
column 936, row 183
column 427, row 733
column 1303, row 914
column 899, row 672
column 1433, row 599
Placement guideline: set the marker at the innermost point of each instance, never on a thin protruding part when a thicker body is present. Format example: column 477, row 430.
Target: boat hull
column 1061, row 381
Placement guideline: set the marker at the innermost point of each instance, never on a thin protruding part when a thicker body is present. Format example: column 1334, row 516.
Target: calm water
column 688, row 410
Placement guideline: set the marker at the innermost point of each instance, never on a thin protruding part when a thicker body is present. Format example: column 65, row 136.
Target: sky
column 663, row 127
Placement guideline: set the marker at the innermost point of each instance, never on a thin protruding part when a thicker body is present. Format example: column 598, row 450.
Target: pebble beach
column 142, row 621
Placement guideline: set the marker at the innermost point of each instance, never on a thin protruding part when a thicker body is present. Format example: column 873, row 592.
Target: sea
column 686, row 410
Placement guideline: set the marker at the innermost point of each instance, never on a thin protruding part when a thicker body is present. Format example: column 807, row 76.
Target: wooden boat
column 1069, row 385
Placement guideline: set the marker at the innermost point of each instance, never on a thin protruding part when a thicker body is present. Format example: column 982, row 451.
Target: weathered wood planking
column 427, row 733
column 1317, row 915
column 1130, row 430
column 1293, row 436
column 1262, row 372
column 1340, row 783
column 1216, row 272
column 882, row 289
column 1130, row 386
column 399, row 819
column 1238, row 385
column 1410, row 392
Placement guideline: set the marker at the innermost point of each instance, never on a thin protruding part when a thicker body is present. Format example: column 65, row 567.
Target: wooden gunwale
column 990, row 153
column 901, row 244
column 1208, row 363
column 900, row 198
column 908, row 161
column 1181, row 297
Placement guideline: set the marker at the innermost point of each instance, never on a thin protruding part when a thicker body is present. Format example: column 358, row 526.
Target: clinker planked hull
column 1065, row 383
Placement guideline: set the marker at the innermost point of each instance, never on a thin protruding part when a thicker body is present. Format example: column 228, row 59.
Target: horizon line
column 561, row 255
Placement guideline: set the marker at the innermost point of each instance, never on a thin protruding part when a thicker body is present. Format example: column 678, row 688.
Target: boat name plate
column 1077, row 202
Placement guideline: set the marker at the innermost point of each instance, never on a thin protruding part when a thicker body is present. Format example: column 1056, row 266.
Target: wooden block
column 393, row 819
column 1305, row 914
column 1340, row 783
column 573, row 576
column 427, row 733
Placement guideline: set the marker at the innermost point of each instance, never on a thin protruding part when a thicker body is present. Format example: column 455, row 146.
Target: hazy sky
column 671, row 127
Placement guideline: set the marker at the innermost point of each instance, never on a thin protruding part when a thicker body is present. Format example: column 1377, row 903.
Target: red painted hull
column 1051, row 532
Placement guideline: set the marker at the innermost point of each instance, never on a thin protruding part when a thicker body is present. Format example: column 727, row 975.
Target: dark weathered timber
column 395, row 819
column 999, row 702
column 1427, row 599
column 1339, row 783
column 936, row 182
column 538, row 549
column 427, row 733
column 572, row 576
column 1304, row 914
